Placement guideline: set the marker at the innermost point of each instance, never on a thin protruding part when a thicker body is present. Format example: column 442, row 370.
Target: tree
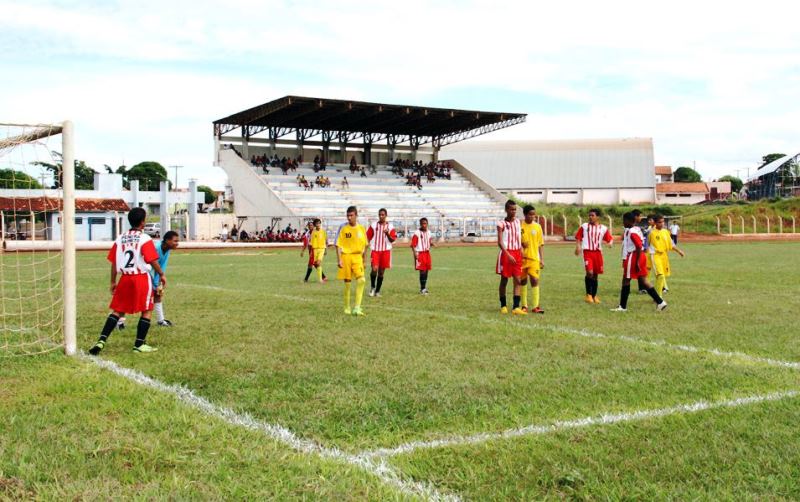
column 84, row 175
column 736, row 183
column 766, row 159
column 210, row 194
column 10, row 178
column 150, row 174
column 687, row 174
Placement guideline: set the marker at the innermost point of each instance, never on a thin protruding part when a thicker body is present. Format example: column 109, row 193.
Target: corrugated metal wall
column 606, row 163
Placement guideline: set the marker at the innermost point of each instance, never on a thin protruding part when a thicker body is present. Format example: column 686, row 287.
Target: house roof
column 664, row 170
column 52, row 204
column 682, row 188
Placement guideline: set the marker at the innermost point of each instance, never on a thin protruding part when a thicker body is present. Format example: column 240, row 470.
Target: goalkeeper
column 167, row 244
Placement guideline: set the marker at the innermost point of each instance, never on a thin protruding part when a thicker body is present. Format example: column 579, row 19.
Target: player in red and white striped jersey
column 634, row 264
column 380, row 235
column 421, row 244
column 590, row 238
column 133, row 255
column 509, row 260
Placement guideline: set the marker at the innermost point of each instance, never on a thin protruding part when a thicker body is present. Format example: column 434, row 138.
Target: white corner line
column 558, row 426
column 377, row 467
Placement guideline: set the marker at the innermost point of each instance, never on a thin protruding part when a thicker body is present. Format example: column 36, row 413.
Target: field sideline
column 265, row 390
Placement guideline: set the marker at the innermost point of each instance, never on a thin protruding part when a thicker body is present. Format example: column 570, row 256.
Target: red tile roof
column 681, row 188
column 52, row 204
column 664, row 170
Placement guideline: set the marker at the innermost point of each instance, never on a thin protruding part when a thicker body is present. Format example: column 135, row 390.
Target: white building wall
column 683, row 198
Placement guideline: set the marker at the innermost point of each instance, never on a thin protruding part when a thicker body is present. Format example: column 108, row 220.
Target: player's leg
column 517, row 296
column 502, row 292
column 523, row 294
column 308, row 273
column 373, row 272
column 141, row 333
column 108, row 328
column 379, row 282
column 423, row 282
column 347, row 296
column 624, row 293
column 357, row 271
column 535, row 298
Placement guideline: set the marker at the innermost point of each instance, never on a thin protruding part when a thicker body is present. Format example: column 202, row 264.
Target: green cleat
column 145, row 348
column 357, row 311
column 347, row 311
column 97, row 348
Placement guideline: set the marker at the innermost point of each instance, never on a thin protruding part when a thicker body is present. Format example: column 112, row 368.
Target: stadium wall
column 604, row 171
column 252, row 195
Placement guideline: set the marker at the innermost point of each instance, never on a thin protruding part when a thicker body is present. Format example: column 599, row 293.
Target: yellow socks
column 535, row 296
column 319, row 272
column 660, row 282
column 360, row 283
column 347, row 296
column 523, row 295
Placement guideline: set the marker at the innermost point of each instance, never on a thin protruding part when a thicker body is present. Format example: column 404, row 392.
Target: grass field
column 413, row 400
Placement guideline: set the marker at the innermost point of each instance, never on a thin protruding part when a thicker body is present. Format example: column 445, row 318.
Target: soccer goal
column 37, row 239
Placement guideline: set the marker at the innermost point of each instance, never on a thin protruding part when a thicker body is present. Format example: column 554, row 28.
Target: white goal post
column 37, row 301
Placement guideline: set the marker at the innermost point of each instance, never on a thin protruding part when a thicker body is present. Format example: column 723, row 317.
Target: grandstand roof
column 373, row 121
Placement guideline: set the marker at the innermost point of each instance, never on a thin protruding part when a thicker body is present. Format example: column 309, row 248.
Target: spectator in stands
column 345, row 183
column 244, row 236
column 223, row 235
column 234, row 233
column 353, row 163
column 363, row 173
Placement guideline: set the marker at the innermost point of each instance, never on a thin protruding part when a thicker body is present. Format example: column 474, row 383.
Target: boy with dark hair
column 509, row 260
column 318, row 243
column 307, row 247
column 380, row 235
column 167, row 244
column 532, row 258
column 660, row 246
column 133, row 255
column 634, row 265
column 589, row 239
column 421, row 244
column 351, row 248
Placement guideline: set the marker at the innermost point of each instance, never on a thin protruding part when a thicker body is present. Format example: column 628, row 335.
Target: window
column 672, row 195
column 79, row 221
column 565, row 192
column 97, row 221
column 686, row 195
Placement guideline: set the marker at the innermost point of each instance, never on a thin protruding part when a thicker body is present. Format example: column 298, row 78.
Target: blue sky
column 144, row 80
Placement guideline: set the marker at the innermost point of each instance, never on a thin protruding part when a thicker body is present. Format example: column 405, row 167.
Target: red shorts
column 133, row 294
column 381, row 259
column 423, row 261
column 632, row 270
column 310, row 257
column 593, row 261
column 506, row 268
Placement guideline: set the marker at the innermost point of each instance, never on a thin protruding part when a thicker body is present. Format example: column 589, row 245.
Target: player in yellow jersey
column 532, row 259
column 351, row 247
column 660, row 246
column 319, row 241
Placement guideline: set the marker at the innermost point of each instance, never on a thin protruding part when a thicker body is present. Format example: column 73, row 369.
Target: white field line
column 624, row 338
column 378, row 467
column 605, row 419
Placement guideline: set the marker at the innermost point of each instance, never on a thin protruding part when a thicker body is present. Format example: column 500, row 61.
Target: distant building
column 664, row 174
column 780, row 178
column 586, row 171
column 682, row 193
column 719, row 190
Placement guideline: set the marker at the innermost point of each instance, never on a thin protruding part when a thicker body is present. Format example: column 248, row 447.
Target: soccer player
column 133, row 255
column 318, row 243
column 421, row 244
column 532, row 259
column 167, row 244
column 509, row 260
column 651, row 224
column 660, row 246
column 380, row 235
column 351, row 248
column 634, row 265
column 589, row 239
column 307, row 247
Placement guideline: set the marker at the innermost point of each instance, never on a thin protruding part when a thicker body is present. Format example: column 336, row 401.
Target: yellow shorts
column 352, row 267
column 530, row 267
column 319, row 255
column 661, row 264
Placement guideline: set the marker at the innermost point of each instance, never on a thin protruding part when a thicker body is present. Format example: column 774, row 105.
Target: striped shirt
column 591, row 236
column 512, row 234
column 421, row 241
column 632, row 240
column 377, row 236
column 132, row 253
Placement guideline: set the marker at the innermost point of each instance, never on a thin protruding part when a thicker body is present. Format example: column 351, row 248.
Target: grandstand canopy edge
column 298, row 120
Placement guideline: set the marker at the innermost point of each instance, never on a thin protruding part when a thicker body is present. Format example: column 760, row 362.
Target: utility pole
column 176, row 175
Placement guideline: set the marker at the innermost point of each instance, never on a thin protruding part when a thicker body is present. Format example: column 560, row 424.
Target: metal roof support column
column 273, row 135
column 415, row 142
column 245, row 144
column 368, row 149
column 327, row 137
column 301, row 139
column 391, row 142
column 343, row 147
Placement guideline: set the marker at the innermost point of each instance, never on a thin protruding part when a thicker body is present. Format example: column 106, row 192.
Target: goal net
column 37, row 252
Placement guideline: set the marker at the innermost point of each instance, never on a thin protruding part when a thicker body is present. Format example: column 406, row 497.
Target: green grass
column 250, row 336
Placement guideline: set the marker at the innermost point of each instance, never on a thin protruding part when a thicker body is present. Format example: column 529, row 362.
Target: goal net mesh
column 31, row 299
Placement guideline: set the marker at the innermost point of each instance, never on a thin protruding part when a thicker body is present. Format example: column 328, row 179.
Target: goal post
column 37, row 237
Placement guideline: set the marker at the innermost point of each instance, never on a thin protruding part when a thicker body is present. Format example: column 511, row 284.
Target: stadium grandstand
column 581, row 171
column 299, row 157
column 779, row 178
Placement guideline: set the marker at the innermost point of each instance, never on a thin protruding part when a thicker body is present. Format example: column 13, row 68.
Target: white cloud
column 144, row 80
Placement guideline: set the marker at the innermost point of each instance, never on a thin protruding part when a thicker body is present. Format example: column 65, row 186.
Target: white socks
column 159, row 311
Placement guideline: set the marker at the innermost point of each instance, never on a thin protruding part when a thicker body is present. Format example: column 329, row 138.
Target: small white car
column 152, row 229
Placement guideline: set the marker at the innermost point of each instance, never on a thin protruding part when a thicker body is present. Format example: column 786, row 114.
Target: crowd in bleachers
column 320, row 181
column 271, row 234
column 285, row 164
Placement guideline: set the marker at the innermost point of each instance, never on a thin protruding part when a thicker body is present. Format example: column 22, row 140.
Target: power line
column 176, row 174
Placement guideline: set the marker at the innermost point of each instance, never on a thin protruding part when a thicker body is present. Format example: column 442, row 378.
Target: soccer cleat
column 519, row 311
column 358, row 312
column 347, row 311
column 121, row 324
column 589, row 299
column 165, row 323
column 525, row 308
column 324, row 280
column 665, row 290
column 423, row 291
column 378, row 294
column 597, row 300
column 145, row 348
column 619, row 309
column 537, row 310
column 372, row 292
column 661, row 306
column 642, row 291
column 96, row 348
column 504, row 310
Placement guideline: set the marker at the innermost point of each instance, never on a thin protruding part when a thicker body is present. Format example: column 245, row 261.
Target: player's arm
column 502, row 245
column 391, row 235
column 679, row 251
column 113, row 277
column 609, row 239
column 541, row 255
column 414, row 247
column 578, row 238
column 157, row 267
